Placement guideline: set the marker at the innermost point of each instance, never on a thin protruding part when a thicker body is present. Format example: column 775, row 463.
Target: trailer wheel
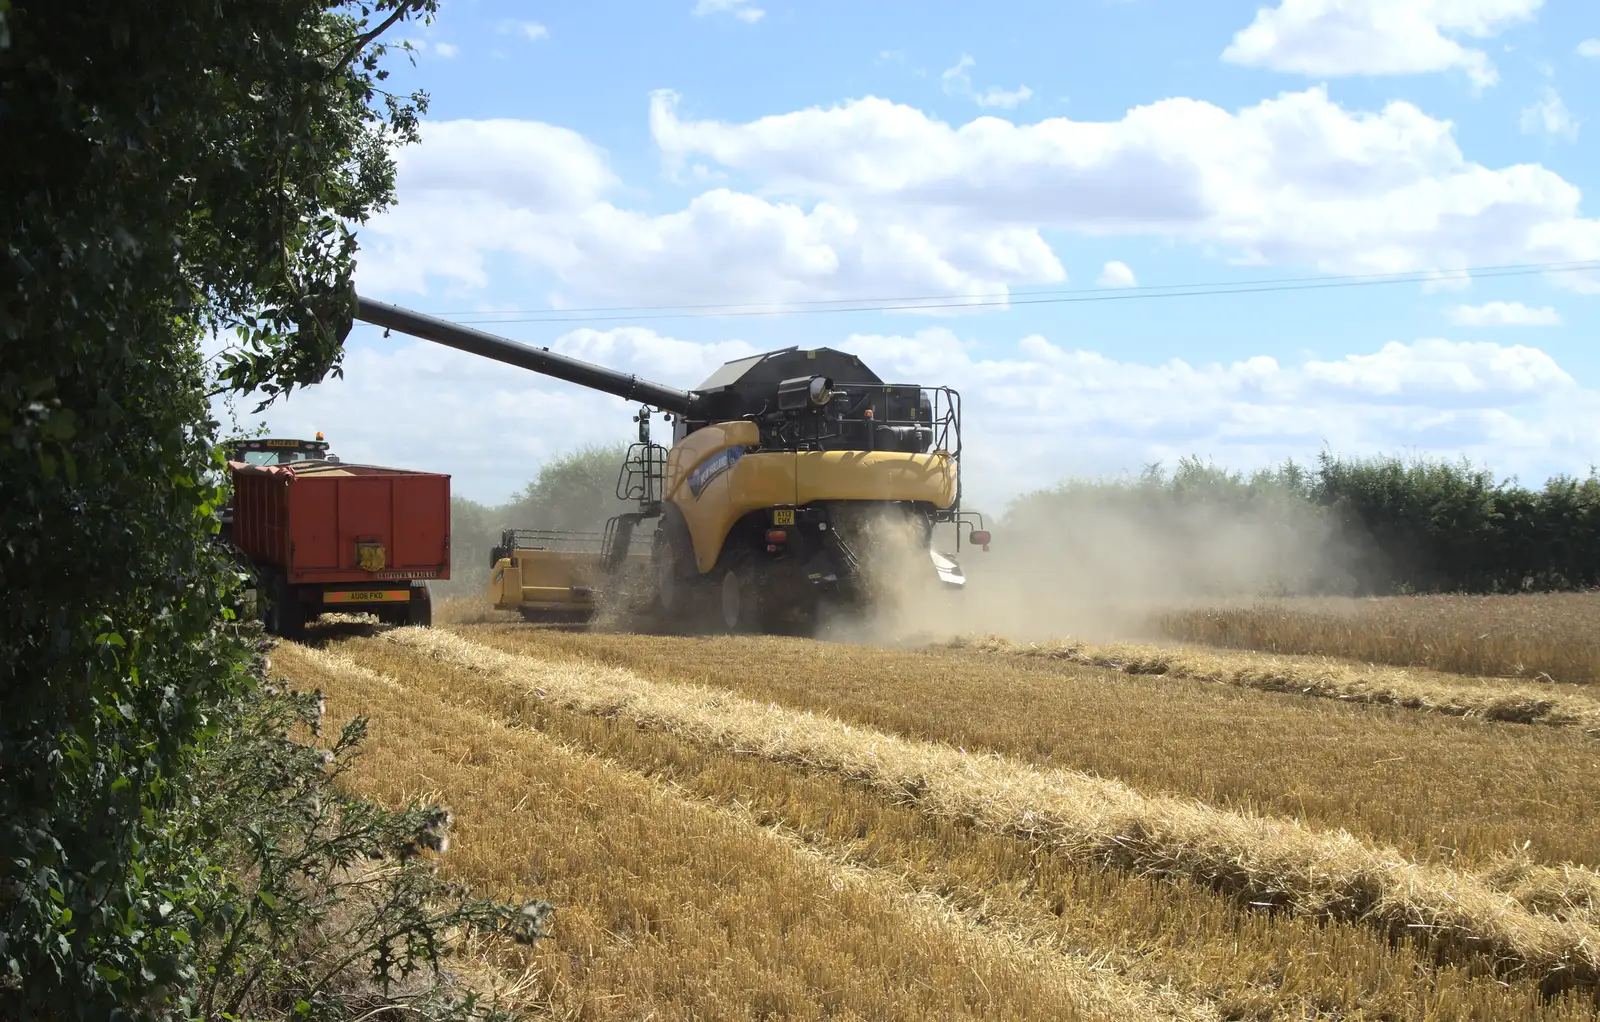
column 285, row 615
column 419, row 612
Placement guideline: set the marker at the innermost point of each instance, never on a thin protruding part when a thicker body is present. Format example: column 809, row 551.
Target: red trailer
column 324, row 536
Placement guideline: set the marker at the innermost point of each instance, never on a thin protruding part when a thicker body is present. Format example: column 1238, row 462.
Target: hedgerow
column 177, row 172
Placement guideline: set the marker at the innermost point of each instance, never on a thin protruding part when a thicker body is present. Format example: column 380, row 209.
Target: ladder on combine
column 642, row 480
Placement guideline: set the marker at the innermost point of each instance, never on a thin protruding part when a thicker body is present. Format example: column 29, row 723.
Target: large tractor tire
column 676, row 580
column 419, row 612
column 285, row 616
column 741, row 599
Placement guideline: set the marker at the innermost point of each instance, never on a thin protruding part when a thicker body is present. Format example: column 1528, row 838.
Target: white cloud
column 1589, row 48
column 1445, row 373
column 741, row 9
column 1295, row 178
column 537, row 166
column 446, row 50
column 1003, row 98
column 955, row 77
column 957, row 82
column 1031, row 415
column 873, row 198
column 1116, row 274
column 1325, row 38
column 537, row 193
column 1550, row 116
column 1046, row 411
column 1503, row 314
column 531, row 30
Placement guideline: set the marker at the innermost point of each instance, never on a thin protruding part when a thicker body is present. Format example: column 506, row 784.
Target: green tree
column 175, row 169
column 573, row 491
column 576, row 490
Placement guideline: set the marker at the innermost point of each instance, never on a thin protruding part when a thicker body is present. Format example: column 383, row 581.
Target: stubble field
column 738, row 827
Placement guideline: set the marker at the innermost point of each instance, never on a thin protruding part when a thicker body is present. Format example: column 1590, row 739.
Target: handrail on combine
column 565, row 540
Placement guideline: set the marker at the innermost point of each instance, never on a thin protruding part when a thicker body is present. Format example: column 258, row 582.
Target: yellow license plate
column 368, row 596
column 783, row 518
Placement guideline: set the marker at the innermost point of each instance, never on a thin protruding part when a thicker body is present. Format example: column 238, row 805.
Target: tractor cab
column 271, row 451
column 275, row 451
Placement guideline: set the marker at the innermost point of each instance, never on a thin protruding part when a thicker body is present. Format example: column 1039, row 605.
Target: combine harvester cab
column 324, row 537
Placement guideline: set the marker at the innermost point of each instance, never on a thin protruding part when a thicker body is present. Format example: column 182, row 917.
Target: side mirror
column 979, row 538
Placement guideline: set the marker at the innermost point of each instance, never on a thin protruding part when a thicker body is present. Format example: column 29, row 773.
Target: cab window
column 278, row 457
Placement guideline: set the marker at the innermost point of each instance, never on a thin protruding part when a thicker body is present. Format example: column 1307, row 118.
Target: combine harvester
column 787, row 470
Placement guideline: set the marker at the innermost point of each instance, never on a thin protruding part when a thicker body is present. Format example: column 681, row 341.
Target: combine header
column 551, row 574
column 788, row 474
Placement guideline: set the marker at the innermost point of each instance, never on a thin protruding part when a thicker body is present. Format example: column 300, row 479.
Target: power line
column 1507, row 269
column 994, row 299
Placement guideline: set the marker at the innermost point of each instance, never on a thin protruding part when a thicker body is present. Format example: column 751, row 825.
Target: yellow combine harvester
column 789, row 473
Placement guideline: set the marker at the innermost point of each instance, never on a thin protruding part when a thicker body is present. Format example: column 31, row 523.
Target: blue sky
column 734, row 151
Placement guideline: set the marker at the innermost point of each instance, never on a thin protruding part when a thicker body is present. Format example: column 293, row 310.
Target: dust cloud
column 1089, row 562
column 1095, row 569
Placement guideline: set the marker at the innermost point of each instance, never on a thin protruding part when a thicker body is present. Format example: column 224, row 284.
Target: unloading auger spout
column 539, row 360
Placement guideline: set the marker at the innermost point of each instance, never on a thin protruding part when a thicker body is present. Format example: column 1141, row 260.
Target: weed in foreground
column 322, row 904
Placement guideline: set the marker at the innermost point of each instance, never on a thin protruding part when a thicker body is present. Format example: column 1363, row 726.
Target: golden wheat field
column 742, row 827
column 1544, row 637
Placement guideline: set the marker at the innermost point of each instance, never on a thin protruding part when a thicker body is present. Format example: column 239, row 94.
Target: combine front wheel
column 676, row 592
column 741, row 599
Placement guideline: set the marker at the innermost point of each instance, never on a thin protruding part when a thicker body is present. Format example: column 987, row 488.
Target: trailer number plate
column 783, row 518
column 368, row 596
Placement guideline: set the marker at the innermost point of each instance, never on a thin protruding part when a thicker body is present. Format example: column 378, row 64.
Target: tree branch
column 366, row 38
